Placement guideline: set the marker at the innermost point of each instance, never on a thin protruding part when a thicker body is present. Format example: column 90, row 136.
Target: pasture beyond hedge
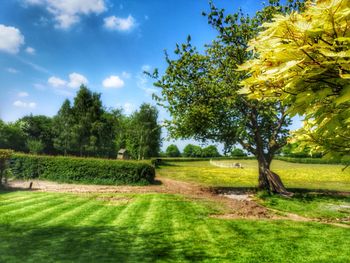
column 81, row 170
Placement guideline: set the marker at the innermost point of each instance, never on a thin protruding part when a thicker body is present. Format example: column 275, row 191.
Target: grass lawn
column 53, row 227
column 294, row 175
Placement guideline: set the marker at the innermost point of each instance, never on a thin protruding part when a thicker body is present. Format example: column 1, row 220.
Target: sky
column 48, row 48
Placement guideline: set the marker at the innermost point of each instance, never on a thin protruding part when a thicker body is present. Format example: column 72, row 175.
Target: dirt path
column 238, row 205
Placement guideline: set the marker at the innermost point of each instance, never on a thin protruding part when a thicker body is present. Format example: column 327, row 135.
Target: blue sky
column 49, row 47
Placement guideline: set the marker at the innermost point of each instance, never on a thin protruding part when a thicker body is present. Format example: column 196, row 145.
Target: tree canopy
column 201, row 90
column 303, row 59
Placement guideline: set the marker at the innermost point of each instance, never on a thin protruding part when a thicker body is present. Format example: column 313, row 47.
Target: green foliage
column 35, row 146
column 210, row 151
column 191, row 150
column 237, row 152
column 85, row 128
column 210, row 83
column 38, row 130
column 142, row 133
column 172, row 151
column 296, row 149
column 81, row 170
column 12, row 136
column 5, row 156
column 303, row 60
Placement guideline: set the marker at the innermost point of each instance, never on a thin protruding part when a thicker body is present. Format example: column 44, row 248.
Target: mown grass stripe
column 18, row 196
column 78, row 214
column 51, row 213
column 33, row 215
column 27, row 211
column 67, row 212
column 27, row 201
column 143, row 230
column 16, row 207
column 129, row 215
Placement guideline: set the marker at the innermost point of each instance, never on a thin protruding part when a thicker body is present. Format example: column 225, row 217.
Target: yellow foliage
column 304, row 60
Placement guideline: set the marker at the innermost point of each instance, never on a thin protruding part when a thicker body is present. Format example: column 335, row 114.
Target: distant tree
column 63, row 128
column 172, row 151
column 210, row 151
column 12, row 137
column 191, row 150
column 38, row 128
column 143, row 133
column 35, row 146
column 237, row 152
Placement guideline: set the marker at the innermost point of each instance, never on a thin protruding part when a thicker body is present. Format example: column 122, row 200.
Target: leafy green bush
column 85, row 170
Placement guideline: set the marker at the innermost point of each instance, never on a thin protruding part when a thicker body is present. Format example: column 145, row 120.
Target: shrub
column 85, row 170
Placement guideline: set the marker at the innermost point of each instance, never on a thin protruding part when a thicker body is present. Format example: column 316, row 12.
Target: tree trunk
column 269, row 180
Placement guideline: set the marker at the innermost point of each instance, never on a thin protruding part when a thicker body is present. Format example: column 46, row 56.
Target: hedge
column 160, row 161
column 81, row 170
column 344, row 160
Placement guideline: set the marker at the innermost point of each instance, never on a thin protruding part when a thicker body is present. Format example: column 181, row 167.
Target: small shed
column 123, row 154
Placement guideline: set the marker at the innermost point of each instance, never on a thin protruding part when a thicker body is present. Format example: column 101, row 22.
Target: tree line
column 85, row 128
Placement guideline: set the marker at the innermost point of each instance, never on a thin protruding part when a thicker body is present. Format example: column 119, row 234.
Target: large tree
column 303, row 59
column 202, row 93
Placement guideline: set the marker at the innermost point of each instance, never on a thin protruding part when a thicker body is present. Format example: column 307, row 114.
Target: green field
column 294, row 175
column 52, row 227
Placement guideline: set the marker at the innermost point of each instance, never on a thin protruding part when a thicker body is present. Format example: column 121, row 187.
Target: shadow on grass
column 91, row 244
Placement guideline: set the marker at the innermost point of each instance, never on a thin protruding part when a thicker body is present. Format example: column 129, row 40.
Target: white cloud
column 11, row 39
column 22, row 104
column 76, row 80
column 56, row 82
column 143, row 81
column 120, row 24
column 22, row 94
column 12, row 70
column 113, row 82
column 67, row 12
column 129, row 108
column 126, row 75
column 30, row 50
